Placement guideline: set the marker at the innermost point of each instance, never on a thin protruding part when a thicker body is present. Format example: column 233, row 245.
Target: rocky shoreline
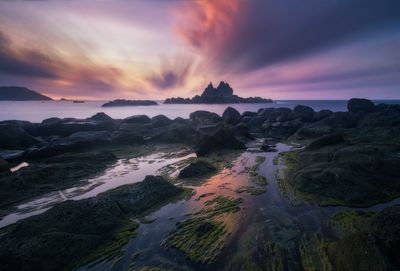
column 349, row 159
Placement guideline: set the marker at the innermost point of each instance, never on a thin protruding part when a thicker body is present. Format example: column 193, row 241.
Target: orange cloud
column 206, row 23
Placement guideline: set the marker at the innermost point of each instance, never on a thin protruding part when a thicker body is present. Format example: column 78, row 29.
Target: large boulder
column 202, row 117
column 231, row 116
column 160, row 121
column 138, row 119
column 197, row 169
column 357, row 105
column 302, row 112
column 222, row 139
column 13, row 137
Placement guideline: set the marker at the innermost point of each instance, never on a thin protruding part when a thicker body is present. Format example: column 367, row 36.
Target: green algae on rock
column 203, row 236
column 73, row 232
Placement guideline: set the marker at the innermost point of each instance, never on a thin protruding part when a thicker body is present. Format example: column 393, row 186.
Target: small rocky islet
column 349, row 159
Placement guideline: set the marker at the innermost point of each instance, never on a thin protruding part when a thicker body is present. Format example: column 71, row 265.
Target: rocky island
column 327, row 183
column 223, row 94
column 122, row 102
column 21, row 94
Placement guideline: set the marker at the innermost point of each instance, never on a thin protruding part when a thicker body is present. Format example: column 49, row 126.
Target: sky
column 154, row 49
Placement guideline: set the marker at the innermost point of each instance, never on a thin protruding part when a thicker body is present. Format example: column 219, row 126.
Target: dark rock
column 326, row 141
column 356, row 105
column 268, row 147
column 302, row 112
column 51, row 174
column 248, row 114
column 337, row 120
column 256, row 122
column 204, row 117
column 13, row 137
column 265, row 112
column 137, row 119
column 160, row 121
column 279, row 114
column 177, row 132
column 383, row 118
column 101, row 116
column 66, row 127
column 321, row 115
column 231, row 116
column 71, row 231
column 222, row 139
column 51, row 121
column 4, row 166
column 197, row 169
column 73, row 143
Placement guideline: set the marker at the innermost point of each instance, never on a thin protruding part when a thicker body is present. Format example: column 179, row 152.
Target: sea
column 36, row 111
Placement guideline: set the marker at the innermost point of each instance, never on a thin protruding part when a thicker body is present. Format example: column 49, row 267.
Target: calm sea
column 36, row 111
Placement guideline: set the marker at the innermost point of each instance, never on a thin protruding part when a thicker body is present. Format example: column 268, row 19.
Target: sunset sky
column 280, row 49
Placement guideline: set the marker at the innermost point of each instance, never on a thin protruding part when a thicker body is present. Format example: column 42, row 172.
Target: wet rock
column 160, row 121
column 58, row 172
column 357, row 105
column 13, row 137
column 231, row 116
column 137, row 119
column 268, row 146
column 72, row 231
column 197, row 169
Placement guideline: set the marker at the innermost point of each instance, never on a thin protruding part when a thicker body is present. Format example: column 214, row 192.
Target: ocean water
column 36, row 111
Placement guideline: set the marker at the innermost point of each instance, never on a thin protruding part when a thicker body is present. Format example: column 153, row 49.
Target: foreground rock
column 14, row 137
column 197, row 169
column 366, row 241
column 222, row 139
column 219, row 95
column 56, row 173
column 359, row 167
column 129, row 103
column 75, row 232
